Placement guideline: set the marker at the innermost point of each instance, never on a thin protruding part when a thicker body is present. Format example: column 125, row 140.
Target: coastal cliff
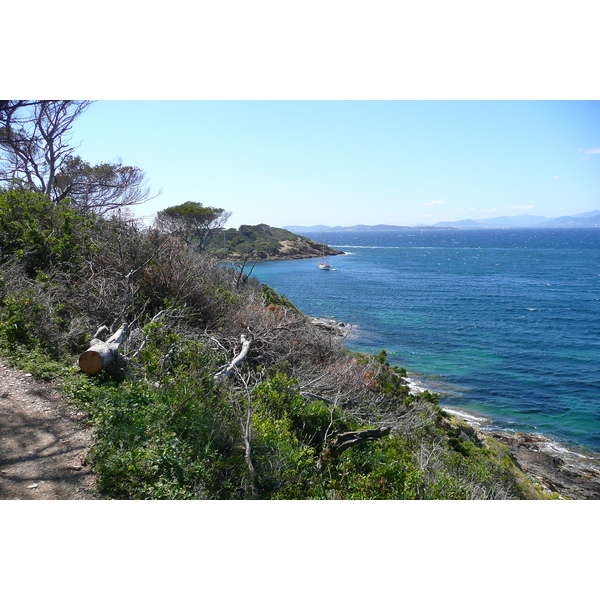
column 264, row 242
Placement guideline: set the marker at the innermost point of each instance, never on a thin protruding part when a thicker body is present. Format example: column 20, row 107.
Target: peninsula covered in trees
column 202, row 227
column 263, row 242
column 210, row 385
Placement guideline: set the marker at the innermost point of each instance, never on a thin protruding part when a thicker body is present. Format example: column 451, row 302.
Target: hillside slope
column 225, row 390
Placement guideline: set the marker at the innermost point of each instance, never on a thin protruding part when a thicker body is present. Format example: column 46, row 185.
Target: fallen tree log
column 102, row 354
column 342, row 441
column 228, row 369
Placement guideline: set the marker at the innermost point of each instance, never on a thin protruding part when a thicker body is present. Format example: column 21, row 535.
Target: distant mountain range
column 587, row 219
column 300, row 229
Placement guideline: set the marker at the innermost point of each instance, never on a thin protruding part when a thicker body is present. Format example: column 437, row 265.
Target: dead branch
column 145, row 340
column 101, row 333
column 246, row 438
column 243, row 277
column 243, row 354
column 316, row 397
column 342, row 441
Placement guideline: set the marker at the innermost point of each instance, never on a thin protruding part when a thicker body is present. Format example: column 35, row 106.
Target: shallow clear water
column 502, row 322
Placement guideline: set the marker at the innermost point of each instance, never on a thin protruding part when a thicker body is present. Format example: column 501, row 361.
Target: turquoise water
column 505, row 323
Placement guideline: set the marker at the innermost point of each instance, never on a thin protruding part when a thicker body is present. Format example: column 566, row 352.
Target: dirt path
column 43, row 443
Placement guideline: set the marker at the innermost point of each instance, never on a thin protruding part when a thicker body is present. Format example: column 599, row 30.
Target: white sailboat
column 323, row 264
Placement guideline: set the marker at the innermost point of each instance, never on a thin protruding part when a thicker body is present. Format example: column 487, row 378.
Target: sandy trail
column 43, row 443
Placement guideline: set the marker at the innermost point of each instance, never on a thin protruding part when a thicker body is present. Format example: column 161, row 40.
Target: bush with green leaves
column 17, row 313
column 42, row 234
column 272, row 298
column 172, row 442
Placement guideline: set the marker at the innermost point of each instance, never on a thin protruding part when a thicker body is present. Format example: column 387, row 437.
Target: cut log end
column 104, row 355
column 91, row 362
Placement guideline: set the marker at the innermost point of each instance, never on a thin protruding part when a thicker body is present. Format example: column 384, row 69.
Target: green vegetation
column 172, row 430
column 228, row 391
column 263, row 242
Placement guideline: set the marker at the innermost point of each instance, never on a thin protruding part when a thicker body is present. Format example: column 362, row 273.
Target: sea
column 503, row 324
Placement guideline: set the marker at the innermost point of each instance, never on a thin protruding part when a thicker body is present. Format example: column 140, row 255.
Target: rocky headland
column 263, row 242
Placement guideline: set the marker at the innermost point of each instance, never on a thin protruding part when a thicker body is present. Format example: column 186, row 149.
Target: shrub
column 173, row 442
column 17, row 314
column 42, row 234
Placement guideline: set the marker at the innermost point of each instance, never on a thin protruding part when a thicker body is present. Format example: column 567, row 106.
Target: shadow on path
column 43, row 444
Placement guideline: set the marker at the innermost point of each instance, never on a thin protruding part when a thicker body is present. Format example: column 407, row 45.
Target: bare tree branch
column 34, row 140
column 228, row 369
column 343, row 441
column 35, row 152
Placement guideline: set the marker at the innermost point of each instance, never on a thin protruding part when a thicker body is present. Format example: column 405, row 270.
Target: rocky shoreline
column 290, row 255
column 571, row 474
column 337, row 328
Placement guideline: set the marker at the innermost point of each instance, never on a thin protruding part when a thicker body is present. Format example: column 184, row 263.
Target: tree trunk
column 342, row 441
column 101, row 354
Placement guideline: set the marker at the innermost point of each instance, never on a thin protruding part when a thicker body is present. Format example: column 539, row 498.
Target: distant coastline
column 582, row 220
column 288, row 253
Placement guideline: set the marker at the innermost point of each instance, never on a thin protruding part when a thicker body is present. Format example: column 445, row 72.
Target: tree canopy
column 102, row 187
column 194, row 223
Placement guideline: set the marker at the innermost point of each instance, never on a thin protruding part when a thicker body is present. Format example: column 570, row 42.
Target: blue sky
column 346, row 162
column 332, row 112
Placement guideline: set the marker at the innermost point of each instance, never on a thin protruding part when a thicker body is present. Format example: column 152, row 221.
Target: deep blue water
column 505, row 323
